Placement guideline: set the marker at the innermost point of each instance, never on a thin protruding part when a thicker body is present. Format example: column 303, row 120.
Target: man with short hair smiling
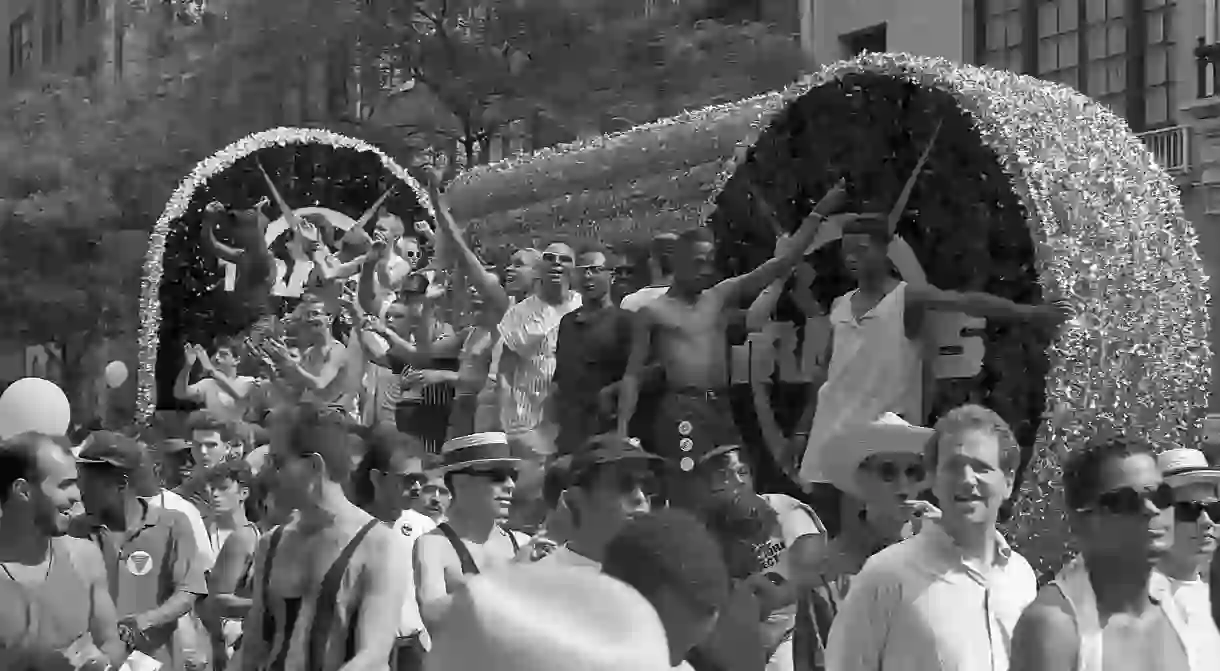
column 1108, row 610
column 591, row 353
column 949, row 598
column 65, row 577
column 481, row 471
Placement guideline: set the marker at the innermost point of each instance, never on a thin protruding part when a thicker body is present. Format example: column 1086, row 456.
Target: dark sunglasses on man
column 1131, row 501
column 1191, row 511
column 495, row 474
column 552, row 257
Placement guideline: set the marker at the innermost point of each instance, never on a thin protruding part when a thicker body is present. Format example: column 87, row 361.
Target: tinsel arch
column 183, row 296
column 1032, row 191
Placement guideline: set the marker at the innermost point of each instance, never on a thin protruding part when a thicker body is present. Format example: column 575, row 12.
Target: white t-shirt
column 218, row 402
column 634, row 301
column 1193, row 599
column 169, row 500
column 795, row 520
column 410, row 526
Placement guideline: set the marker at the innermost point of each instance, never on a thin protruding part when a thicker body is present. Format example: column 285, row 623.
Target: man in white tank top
column 1107, row 610
column 875, row 352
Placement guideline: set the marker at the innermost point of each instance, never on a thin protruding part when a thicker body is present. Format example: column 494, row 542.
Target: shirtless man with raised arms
column 688, row 325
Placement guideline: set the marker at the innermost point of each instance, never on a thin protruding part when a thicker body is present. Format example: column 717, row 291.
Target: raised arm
column 183, row 390
column 979, row 304
column 788, row 250
column 211, row 219
column 494, row 295
column 637, row 364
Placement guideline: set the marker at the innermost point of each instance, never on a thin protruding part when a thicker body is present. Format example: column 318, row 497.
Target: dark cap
column 607, row 448
column 107, row 448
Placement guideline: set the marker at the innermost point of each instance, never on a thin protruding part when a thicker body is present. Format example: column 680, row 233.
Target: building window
column 868, row 39
column 1004, row 48
column 1160, row 88
column 87, row 11
column 20, row 44
column 52, row 30
column 1059, row 43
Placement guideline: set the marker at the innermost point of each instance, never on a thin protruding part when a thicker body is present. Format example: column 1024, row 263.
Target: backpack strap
column 327, row 601
column 265, row 582
column 463, row 553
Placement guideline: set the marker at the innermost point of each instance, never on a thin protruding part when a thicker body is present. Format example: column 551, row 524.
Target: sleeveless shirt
column 316, row 632
column 58, row 621
column 874, row 368
column 1073, row 582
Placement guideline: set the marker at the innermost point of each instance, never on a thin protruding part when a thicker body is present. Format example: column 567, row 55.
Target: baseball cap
column 107, row 448
column 607, row 448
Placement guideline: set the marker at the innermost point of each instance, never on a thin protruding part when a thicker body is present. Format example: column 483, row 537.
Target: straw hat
column 577, row 619
column 1185, row 466
column 889, row 434
column 477, row 449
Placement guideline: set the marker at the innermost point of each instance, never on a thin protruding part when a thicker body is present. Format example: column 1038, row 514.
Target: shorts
column 690, row 423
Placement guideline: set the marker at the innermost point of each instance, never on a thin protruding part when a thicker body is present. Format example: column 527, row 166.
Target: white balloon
column 34, row 404
column 115, row 374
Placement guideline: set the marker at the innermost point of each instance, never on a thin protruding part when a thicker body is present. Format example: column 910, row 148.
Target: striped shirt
column 530, row 330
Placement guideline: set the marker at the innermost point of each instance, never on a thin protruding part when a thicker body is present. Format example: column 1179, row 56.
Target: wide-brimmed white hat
column 1184, row 466
column 888, row 434
column 477, row 449
column 535, row 617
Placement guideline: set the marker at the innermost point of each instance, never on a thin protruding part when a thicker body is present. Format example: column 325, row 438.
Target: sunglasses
column 552, row 257
column 1130, row 501
column 493, row 474
column 592, row 270
column 1191, row 511
column 411, row 254
column 888, row 471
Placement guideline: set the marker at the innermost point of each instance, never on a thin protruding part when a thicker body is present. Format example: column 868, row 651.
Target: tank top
column 1172, row 655
column 317, row 636
column 874, row 368
column 57, row 620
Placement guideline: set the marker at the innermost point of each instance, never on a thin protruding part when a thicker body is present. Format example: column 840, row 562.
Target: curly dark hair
column 741, row 522
column 1082, row 469
column 669, row 549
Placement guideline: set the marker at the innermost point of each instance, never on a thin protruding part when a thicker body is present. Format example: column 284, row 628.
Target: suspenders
column 463, row 553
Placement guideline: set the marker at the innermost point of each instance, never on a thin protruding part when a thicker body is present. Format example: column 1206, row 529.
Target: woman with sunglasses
column 1108, row 610
column 1196, row 511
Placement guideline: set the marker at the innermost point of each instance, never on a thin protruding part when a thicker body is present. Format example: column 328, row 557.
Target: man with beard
column 62, row 579
column 591, row 353
column 481, row 471
column 686, row 327
column 328, row 591
column 1108, row 610
column 1196, row 506
column 610, row 479
column 949, row 598
column 154, row 568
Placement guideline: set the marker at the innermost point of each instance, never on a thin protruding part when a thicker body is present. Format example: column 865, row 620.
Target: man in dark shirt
column 590, row 354
column 152, row 560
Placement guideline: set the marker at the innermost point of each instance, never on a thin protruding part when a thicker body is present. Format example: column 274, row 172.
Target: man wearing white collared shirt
column 949, row 598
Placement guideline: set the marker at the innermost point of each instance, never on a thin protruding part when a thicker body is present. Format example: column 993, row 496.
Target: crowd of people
column 435, row 464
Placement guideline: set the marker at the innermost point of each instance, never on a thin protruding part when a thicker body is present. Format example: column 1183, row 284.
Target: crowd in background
column 454, row 467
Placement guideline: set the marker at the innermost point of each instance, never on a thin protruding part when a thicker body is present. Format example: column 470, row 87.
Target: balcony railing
column 1170, row 147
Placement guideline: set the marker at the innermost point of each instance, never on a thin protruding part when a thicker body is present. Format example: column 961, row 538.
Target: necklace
column 50, row 561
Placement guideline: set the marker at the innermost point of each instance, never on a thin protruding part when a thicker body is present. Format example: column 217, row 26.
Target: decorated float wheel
column 191, row 296
column 1030, row 192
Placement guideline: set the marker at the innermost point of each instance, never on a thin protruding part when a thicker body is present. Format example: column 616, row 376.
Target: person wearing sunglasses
column 481, row 472
column 610, row 480
column 950, row 596
column 1107, row 609
column 332, row 571
column 591, row 354
column 1196, row 512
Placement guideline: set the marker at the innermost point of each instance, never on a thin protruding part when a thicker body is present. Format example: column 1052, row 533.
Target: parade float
column 205, row 279
column 1030, row 191
column 619, row 189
